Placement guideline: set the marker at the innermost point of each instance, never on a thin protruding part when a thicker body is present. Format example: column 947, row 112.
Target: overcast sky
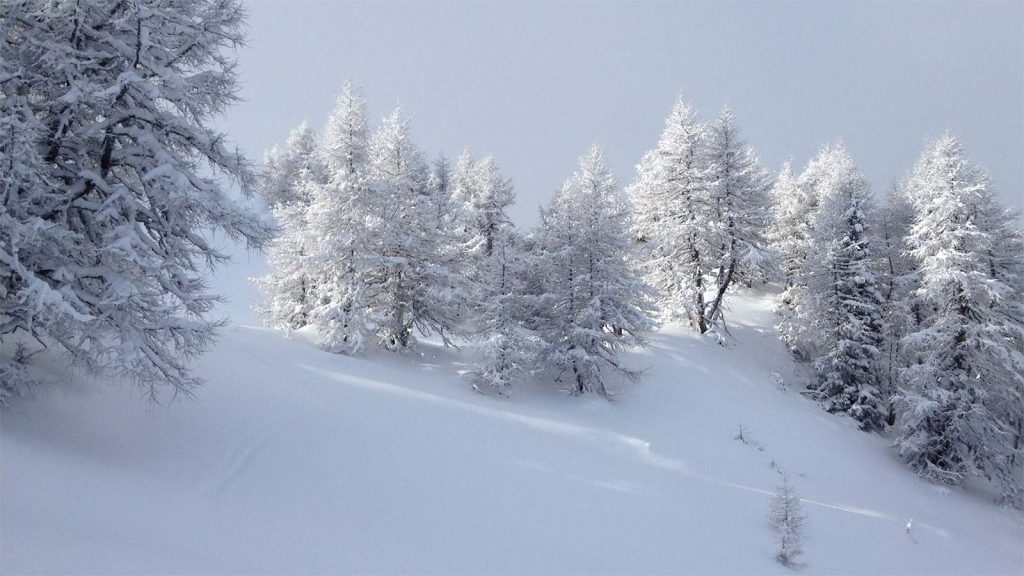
column 534, row 84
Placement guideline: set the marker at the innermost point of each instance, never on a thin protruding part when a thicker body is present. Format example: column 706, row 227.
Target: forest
column 900, row 306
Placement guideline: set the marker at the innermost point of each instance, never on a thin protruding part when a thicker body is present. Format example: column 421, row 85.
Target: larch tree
column 789, row 232
column 787, row 519
column 597, row 304
column 408, row 284
column 959, row 408
column 794, row 204
column 337, row 225
column 108, row 187
column 669, row 210
column 507, row 349
column 288, row 182
column 903, row 311
column 284, row 169
column 797, row 220
column 287, row 291
column 737, row 188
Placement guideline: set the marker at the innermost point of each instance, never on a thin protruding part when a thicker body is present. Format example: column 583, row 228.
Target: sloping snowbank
column 292, row 460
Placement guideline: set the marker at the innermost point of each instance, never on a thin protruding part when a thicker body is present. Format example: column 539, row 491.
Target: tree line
column 378, row 245
column 910, row 313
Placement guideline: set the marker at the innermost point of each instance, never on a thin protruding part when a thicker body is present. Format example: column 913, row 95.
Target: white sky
column 534, row 84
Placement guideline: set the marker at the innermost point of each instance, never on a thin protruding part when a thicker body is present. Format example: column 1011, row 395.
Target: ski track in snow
column 240, row 460
column 639, row 448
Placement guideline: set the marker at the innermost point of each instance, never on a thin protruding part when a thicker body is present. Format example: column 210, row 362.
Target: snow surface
column 293, row 460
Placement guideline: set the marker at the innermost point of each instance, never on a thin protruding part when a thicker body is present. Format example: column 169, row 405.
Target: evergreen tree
column 288, row 182
column 439, row 187
column 597, row 305
column 794, row 204
column 407, row 283
column 959, row 409
column 345, row 148
column 284, row 169
column 486, row 207
column 287, row 291
column 337, row 223
column 105, row 194
column 903, row 311
column 798, row 221
column 507, row 348
column 790, row 230
column 1006, row 266
column 847, row 305
column 737, row 193
column 669, row 207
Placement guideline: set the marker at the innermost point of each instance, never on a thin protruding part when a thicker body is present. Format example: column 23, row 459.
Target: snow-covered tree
column 903, row 311
column 284, row 169
column 737, row 187
column 24, row 298
column 345, row 147
column 669, row 226
column 407, row 284
column 845, row 304
column 596, row 303
column 797, row 205
column 365, row 255
column 789, row 232
column 794, row 204
column 439, row 187
column 507, row 349
column 287, row 291
column 787, row 519
column 485, row 210
column 105, row 187
column 1006, row 266
column 464, row 186
column 959, row 408
column 290, row 179
column 337, row 225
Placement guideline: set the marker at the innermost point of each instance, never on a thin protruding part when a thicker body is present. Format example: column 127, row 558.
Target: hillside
column 292, row 460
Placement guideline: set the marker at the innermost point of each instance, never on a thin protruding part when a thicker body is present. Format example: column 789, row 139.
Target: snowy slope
column 292, row 460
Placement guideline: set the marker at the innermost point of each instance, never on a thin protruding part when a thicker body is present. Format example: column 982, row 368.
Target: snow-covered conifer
column 486, row 208
column 794, row 203
column 492, row 255
column 287, row 291
column 407, row 284
column 285, row 168
column 799, row 217
column 959, row 408
column 737, row 187
column 507, row 349
column 288, row 182
column 439, row 187
column 903, row 311
column 669, row 211
column 115, row 100
column 345, row 142
column 337, row 225
column 596, row 302
column 790, row 230
column 845, row 304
